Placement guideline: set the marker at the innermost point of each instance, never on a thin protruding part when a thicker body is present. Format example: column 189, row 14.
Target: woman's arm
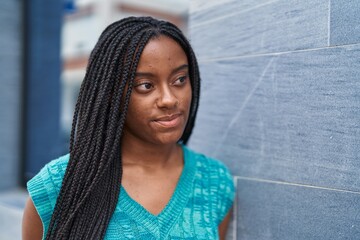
column 32, row 228
column 224, row 225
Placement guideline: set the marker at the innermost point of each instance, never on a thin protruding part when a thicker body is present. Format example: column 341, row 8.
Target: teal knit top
column 202, row 197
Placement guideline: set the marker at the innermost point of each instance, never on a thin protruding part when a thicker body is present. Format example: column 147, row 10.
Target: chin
column 169, row 138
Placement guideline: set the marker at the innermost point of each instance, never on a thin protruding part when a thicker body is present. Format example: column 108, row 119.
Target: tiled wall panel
column 292, row 117
column 210, row 10
column 264, row 29
column 345, row 22
column 276, row 211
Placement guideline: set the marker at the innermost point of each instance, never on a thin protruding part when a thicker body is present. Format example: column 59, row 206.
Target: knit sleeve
column 225, row 191
column 44, row 188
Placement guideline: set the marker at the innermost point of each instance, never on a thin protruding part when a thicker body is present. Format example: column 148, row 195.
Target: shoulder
column 206, row 165
column 61, row 161
column 52, row 173
column 213, row 177
column 45, row 186
column 58, row 166
column 49, row 178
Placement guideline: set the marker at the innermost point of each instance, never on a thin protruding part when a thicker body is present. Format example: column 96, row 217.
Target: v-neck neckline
column 160, row 224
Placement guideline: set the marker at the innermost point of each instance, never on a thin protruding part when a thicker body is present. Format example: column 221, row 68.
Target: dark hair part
column 91, row 185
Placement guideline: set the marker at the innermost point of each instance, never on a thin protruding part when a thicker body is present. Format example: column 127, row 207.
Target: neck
column 149, row 155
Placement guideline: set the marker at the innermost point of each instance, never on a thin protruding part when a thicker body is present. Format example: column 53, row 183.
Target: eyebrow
column 148, row 74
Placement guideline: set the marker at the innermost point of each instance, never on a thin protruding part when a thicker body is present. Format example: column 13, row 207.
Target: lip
column 169, row 121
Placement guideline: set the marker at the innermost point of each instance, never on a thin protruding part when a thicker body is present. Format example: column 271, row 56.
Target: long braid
column 90, row 148
column 91, row 94
column 92, row 180
column 79, row 99
column 111, row 129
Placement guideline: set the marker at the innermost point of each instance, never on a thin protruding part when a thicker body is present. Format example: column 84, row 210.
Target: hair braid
column 102, row 64
column 91, row 148
column 92, row 181
column 103, row 157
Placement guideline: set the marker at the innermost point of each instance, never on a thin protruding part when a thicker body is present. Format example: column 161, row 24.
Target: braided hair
column 91, row 185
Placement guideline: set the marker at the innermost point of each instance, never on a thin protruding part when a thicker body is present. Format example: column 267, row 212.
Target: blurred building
column 44, row 47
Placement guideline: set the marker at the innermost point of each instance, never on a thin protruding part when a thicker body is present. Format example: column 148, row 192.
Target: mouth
column 169, row 121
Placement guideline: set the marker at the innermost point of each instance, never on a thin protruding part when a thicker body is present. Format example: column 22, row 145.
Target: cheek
column 186, row 102
column 188, row 97
column 139, row 110
column 133, row 113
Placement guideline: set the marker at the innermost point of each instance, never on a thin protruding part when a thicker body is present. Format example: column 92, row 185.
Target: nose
column 167, row 99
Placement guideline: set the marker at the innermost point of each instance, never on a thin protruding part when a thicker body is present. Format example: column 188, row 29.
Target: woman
column 128, row 174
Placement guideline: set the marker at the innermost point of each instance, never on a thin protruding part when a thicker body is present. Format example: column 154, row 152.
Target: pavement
column 12, row 203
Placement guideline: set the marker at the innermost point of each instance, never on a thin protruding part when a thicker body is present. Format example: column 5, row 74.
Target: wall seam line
column 275, row 53
column 329, row 23
column 295, row 184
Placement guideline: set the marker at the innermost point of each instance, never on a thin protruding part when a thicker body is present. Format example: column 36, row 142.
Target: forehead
column 162, row 50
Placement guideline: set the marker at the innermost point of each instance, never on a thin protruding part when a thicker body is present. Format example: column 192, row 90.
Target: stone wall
column 280, row 106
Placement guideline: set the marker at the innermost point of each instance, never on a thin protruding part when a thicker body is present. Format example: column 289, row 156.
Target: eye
column 144, row 87
column 180, row 80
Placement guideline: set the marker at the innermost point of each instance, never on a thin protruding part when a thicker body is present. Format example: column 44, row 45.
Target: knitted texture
column 202, row 197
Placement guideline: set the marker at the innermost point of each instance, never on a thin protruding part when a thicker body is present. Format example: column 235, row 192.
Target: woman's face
column 161, row 97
